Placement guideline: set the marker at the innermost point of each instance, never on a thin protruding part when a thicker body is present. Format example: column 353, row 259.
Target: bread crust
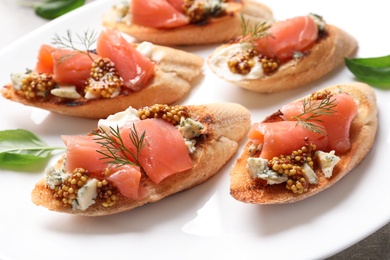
column 215, row 31
column 362, row 134
column 174, row 71
column 227, row 123
column 324, row 56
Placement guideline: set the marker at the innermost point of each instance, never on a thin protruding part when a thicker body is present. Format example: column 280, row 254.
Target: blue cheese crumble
column 327, row 161
column 55, row 176
column 310, row 174
column 190, row 129
column 258, row 168
column 66, row 92
column 86, row 195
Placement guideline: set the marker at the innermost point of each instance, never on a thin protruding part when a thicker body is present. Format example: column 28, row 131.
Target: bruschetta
column 286, row 55
column 101, row 82
column 306, row 146
column 140, row 156
column 185, row 22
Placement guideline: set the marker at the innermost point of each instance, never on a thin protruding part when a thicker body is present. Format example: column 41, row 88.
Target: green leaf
column 21, row 147
column 51, row 9
column 55, row 8
column 374, row 71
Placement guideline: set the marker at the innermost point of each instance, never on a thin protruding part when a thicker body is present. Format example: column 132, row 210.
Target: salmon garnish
column 283, row 137
column 329, row 129
column 45, row 61
column 164, row 14
column 126, row 179
column 82, row 153
column 134, row 68
column 154, row 158
column 72, row 67
column 178, row 4
column 337, row 123
column 287, row 37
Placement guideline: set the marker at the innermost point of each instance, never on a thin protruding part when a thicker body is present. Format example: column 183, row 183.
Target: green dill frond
column 86, row 40
column 313, row 110
column 311, row 126
column 114, row 150
column 252, row 32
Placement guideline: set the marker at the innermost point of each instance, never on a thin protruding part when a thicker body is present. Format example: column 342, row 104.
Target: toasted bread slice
column 323, row 57
column 362, row 135
column 174, row 71
column 217, row 30
column 226, row 124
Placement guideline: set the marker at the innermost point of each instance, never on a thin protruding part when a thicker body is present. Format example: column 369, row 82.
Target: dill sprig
column 313, row 110
column 252, row 32
column 114, row 150
column 86, row 40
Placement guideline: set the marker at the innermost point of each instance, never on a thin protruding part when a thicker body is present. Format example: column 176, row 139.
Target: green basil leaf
column 51, row 9
column 373, row 71
column 55, row 8
column 21, row 147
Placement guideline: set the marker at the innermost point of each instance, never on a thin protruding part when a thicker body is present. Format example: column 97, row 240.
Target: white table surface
column 17, row 20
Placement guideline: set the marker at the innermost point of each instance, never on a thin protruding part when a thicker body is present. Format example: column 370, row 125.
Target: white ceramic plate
column 203, row 222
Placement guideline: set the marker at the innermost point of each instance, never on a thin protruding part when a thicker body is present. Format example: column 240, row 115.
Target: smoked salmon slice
column 134, row 68
column 127, row 179
column 71, row 66
column 287, row 37
column 45, row 61
column 154, row 158
column 284, row 137
column 82, row 153
column 337, row 123
column 158, row 13
column 178, row 4
column 163, row 153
